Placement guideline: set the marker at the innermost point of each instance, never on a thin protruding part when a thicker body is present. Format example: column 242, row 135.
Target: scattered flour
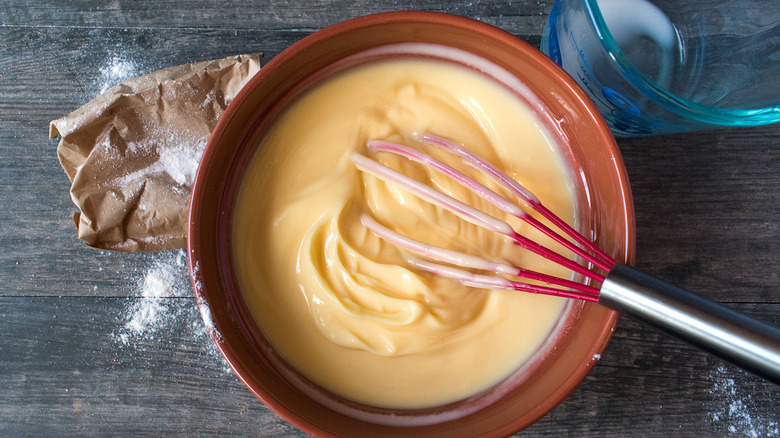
column 165, row 304
column 148, row 312
column 116, row 70
column 181, row 162
column 739, row 410
column 178, row 158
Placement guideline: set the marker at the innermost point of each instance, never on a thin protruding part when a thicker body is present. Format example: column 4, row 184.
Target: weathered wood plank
column 707, row 205
column 67, row 370
column 524, row 17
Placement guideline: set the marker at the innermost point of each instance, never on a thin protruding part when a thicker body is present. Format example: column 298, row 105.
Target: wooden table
column 73, row 364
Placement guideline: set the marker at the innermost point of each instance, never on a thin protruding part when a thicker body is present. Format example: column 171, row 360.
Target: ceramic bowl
column 604, row 208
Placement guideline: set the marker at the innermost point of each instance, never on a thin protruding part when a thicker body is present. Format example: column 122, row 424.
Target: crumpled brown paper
column 131, row 153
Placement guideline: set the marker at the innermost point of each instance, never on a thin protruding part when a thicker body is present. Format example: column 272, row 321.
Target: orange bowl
column 605, row 211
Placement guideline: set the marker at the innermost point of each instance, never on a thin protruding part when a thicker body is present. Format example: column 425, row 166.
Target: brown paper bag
column 132, row 152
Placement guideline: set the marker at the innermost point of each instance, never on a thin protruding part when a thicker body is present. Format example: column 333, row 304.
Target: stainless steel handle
column 730, row 335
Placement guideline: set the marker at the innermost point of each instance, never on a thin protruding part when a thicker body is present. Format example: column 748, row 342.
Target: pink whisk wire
column 581, row 246
column 532, row 201
column 731, row 335
column 468, row 278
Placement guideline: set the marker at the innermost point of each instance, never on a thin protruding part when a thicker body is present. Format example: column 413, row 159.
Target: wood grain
column 524, row 17
column 706, row 205
column 66, row 371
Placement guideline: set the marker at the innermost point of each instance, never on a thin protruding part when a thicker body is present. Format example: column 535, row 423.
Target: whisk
column 730, row 335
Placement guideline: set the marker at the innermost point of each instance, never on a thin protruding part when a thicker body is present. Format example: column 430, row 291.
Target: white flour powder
column 179, row 155
column 116, row 70
column 164, row 304
column 738, row 413
column 148, row 314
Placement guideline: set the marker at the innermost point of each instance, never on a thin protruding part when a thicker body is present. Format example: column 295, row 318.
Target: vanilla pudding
column 341, row 305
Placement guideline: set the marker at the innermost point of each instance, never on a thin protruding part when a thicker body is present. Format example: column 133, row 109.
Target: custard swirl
column 343, row 306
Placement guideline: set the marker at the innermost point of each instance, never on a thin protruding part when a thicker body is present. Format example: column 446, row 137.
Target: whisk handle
column 730, row 335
